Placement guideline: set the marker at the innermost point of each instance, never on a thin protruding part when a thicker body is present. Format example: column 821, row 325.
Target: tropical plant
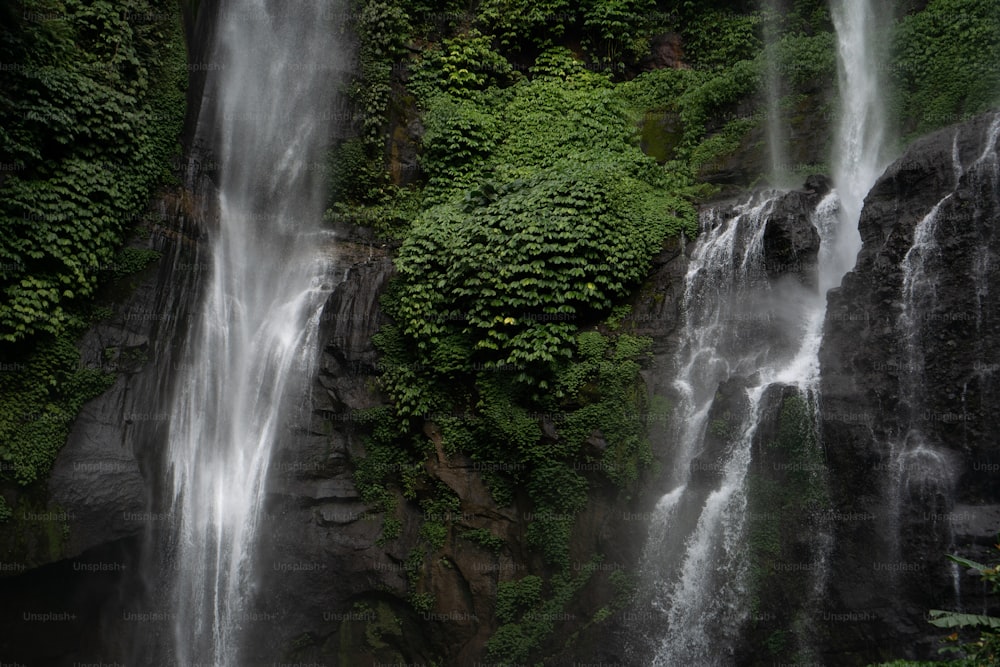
column 985, row 650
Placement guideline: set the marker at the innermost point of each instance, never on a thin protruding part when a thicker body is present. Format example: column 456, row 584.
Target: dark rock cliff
column 917, row 432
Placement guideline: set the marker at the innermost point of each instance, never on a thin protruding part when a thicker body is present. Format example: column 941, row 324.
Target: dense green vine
column 90, row 109
column 945, row 67
column 39, row 401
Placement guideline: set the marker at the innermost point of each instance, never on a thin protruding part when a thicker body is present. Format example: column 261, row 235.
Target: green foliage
column 439, row 512
column 383, row 463
column 383, row 28
column 460, row 134
column 616, row 32
column 132, row 260
column 357, row 168
column 807, row 17
column 516, row 23
column 516, row 597
column 391, row 529
column 954, row 619
column 5, row 511
column 603, row 384
column 698, row 98
column 509, row 276
column 434, row 533
column 717, row 38
column 806, row 59
column 352, row 175
column 986, row 649
column 39, row 399
column 625, row 586
column 485, row 539
column 548, row 214
column 370, row 202
column 422, row 602
column 612, row 32
column 784, row 495
column 945, row 66
column 528, row 617
column 462, row 64
column 558, row 492
column 90, row 109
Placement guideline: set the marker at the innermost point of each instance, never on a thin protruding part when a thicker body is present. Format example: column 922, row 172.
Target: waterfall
column 738, row 326
column 858, row 158
column 250, row 352
column 745, row 334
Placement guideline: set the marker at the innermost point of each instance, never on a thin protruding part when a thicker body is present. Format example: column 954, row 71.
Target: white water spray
column 251, row 350
column 860, row 138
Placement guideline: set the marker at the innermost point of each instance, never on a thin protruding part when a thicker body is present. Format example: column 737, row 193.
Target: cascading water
column 251, row 349
column 737, row 326
column 741, row 328
column 860, row 136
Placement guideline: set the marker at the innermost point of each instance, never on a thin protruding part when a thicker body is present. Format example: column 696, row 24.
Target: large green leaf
column 953, row 619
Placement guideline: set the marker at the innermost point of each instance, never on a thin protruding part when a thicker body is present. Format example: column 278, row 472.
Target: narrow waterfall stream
column 251, row 349
column 744, row 334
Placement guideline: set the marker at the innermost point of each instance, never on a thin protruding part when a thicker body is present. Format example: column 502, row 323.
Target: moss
column 35, row 533
column 373, row 630
column 39, row 401
column 485, row 539
column 782, row 499
column 660, row 134
column 530, row 612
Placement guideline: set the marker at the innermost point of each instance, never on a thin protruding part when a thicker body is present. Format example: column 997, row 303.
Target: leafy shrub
column 40, row 400
column 617, row 31
column 528, row 616
column 461, row 65
column 537, row 23
column 940, row 71
column 516, row 597
column 548, row 214
column 986, row 649
column 383, row 28
column 510, row 276
column 485, row 539
column 717, row 38
column 460, row 134
column 805, row 59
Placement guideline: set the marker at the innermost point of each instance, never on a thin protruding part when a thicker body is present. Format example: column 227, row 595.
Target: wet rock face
column 725, row 418
column 100, row 474
column 881, row 397
column 666, row 51
column 791, row 243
